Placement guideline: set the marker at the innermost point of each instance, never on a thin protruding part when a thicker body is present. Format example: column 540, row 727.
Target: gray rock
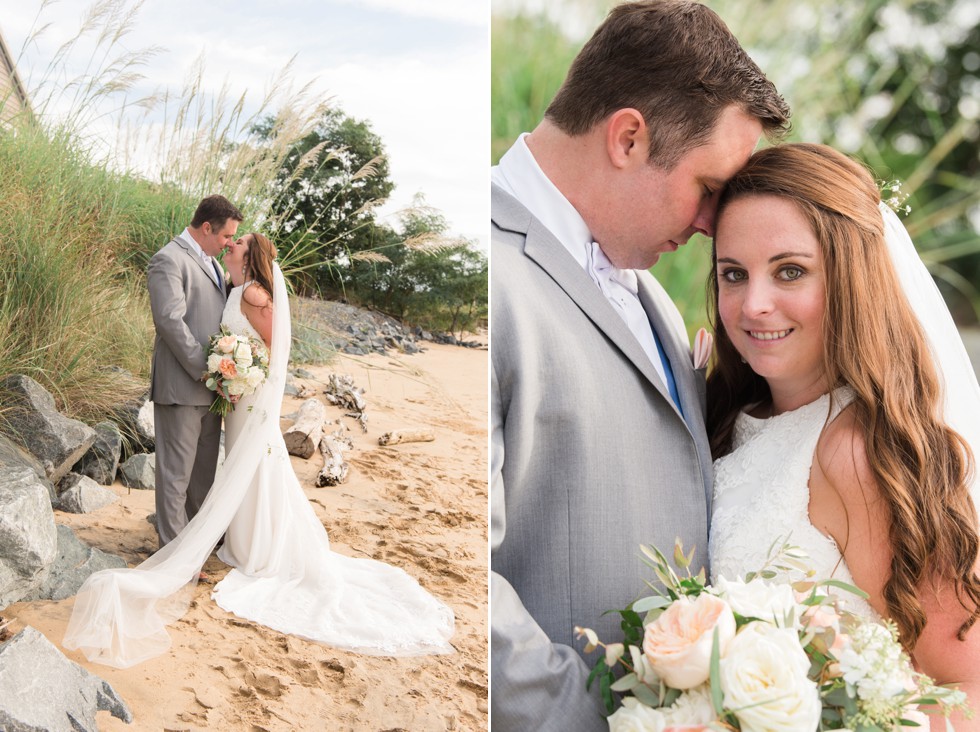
column 28, row 538
column 42, row 691
column 35, row 424
column 101, row 461
column 13, row 457
column 304, row 374
column 139, row 472
column 74, row 563
column 81, row 494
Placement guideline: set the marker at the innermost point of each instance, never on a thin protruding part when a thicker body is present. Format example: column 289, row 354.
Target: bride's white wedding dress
column 762, row 495
column 285, row 575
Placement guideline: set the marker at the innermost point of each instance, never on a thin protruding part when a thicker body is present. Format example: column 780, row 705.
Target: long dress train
column 286, row 576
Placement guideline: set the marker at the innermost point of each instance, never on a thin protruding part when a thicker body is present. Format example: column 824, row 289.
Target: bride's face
column 771, row 292
column 236, row 254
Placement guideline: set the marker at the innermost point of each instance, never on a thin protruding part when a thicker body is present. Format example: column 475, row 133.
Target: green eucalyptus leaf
column 626, row 683
column 653, row 602
column 715, row 673
column 645, row 695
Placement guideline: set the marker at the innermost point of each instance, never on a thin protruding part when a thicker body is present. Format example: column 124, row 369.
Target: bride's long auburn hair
column 874, row 344
column 258, row 261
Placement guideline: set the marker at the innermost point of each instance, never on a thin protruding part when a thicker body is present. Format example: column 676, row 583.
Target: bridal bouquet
column 757, row 656
column 237, row 365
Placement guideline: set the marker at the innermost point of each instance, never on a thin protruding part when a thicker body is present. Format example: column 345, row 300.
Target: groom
column 187, row 297
column 597, row 414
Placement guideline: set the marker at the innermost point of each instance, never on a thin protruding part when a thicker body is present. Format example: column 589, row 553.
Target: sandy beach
column 421, row 506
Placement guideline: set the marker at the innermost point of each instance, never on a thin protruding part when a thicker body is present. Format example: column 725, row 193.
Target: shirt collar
column 519, row 174
column 186, row 236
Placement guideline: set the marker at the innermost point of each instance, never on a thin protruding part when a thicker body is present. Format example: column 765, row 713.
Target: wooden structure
column 13, row 93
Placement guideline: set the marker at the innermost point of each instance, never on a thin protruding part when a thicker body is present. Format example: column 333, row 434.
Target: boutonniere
column 703, row 342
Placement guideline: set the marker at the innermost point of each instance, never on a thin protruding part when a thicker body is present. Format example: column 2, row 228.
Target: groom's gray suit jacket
column 187, row 304
column 589, row 459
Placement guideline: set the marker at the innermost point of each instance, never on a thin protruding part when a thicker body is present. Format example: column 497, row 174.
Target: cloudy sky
column 418, row 70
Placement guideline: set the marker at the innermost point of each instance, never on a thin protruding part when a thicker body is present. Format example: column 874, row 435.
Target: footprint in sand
column 265, row 684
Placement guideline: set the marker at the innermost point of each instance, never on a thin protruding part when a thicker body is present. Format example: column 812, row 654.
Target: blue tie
column 668, row 372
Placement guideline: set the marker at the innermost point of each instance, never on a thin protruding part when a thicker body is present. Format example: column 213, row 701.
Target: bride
column 827, row 414
column 284, row 574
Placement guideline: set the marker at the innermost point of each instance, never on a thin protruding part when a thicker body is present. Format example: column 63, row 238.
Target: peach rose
column 226, row 344
column 227, row 368
column 678, row 643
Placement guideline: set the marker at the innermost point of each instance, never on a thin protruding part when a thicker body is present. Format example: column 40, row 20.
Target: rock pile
column 40, row 560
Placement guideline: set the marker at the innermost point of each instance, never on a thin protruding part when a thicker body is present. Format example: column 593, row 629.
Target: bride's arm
column 257, row 307
column 846, row 503
column 945, row 658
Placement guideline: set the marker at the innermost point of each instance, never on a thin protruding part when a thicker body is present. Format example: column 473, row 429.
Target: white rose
column 243, row 355
column 692, row 708
column 678, row 643
column 764, row 680
column 770, row 601
column 254, row 377
column 236, row 386
column 635, row 717
column 214, row 362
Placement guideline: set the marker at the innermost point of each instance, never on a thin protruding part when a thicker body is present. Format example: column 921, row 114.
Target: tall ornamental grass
column 72, row 313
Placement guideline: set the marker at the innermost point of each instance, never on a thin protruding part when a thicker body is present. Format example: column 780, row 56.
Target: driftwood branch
column 335, row 468
column 342, row 392
column 303, row 437
column 396, row 436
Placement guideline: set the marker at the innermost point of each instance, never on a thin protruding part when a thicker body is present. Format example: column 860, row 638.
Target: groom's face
column 216, row 240
column 656, row 211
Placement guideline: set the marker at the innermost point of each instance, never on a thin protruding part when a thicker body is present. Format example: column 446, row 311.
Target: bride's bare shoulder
column 256, row 296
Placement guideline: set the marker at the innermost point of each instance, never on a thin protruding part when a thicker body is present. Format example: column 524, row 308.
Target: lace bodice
column 762, row 495
column 234, row 318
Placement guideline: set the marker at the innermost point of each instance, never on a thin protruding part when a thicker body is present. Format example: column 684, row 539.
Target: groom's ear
column 626, row 137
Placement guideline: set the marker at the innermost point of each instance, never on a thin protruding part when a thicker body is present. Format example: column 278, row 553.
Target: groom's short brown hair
column 216, row 210
column 678, row 64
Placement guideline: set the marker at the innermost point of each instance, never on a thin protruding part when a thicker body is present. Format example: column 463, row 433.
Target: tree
column 422, row 274
column 326, row 190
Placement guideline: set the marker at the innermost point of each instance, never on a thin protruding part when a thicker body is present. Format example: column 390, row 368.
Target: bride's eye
column 791, row 272
column 733, row 275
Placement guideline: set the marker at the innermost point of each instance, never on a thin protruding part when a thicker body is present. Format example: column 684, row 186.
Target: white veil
column 961, row 393
column 120, row 615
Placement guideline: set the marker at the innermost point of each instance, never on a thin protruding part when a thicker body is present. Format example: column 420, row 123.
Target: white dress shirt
column 519, row 175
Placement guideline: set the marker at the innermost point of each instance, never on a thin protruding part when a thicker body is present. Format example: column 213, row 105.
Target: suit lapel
column 543, row 248
column 679, row 354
